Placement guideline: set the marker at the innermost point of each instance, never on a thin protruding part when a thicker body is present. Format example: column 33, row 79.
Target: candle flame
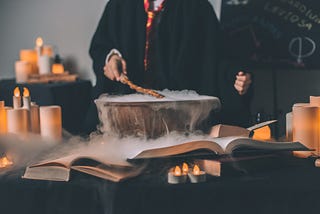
column 26, row 92
column 5, row 162
column 177, row 171
column 196, row 170
column 16, row 92
column 39, row 42
column 185, row 168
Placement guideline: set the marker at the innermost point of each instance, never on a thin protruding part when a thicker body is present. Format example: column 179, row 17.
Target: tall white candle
column 44, row 64
column 17, row 120
column 51, row 122
column 305, row 127
column 39, row 46
column 16, row 98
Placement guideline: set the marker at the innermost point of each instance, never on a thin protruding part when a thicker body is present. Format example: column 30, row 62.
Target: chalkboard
column 272, row 32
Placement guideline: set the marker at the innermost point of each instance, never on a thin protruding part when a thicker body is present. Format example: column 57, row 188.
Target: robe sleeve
column 101, row 44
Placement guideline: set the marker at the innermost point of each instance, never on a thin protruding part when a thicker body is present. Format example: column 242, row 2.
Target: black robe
column 187, row 51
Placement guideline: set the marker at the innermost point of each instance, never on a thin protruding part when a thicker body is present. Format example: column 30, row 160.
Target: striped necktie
column 152, row 21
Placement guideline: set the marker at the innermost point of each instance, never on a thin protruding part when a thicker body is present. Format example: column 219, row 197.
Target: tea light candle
column 17, row 121
column 185, row 168
column 197, row 176
column 23, row 69
column 57, row 68
column 3, row 118
column 16, row 98
column 51, row 122
column 34, row 118
column 176, row 176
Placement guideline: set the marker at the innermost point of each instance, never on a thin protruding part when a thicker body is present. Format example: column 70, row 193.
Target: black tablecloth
column 292, row 189
column 73, row 97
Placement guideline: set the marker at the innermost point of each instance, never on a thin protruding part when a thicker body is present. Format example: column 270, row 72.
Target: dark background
column 278, row 33
column 278, row 41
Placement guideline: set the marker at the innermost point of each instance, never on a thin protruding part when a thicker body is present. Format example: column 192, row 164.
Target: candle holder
column 176, row 176
column 196, row 175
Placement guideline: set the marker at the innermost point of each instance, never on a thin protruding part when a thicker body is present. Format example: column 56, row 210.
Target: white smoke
column 146, row 116
column 180, row 111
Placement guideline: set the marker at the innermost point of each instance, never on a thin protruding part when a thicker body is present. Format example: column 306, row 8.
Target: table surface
column 291, row 189
column 73, row 97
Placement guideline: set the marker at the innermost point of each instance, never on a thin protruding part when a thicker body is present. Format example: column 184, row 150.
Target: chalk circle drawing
column 237, row 2
column 301, row 47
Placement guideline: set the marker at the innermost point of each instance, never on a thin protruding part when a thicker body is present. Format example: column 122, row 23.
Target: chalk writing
column 303, row 9
column 288, row 16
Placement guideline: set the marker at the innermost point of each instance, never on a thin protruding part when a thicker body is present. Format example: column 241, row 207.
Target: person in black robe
column 185, row 54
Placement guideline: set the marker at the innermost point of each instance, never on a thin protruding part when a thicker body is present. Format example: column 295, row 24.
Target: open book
column 59, row 169
column 120, row 159
column 220, row 146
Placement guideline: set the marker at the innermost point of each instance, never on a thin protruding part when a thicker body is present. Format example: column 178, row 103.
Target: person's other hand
column 114, row 67
column 242, row 82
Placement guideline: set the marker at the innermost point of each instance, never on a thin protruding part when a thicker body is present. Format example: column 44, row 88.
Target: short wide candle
column 23, row 69
column 51, row 122
column 18, row 121
column 3, row 118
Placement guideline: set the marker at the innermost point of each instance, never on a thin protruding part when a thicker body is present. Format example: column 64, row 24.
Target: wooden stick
column 125, row 80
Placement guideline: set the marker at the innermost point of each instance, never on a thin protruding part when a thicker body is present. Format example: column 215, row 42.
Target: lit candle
column 39, row 46
column 16, row 98
column 35, row 118
column 185, row 168
column 51, row 122
column 175, row 176
column 3, row 118
column 18, row 121
column 57, row 67
column 26, row 98
column 197, row 176
column 5, row 162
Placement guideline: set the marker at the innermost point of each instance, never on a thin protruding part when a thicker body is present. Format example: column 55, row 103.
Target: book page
column 248, row 144
column 115, row 174
column 179, row 149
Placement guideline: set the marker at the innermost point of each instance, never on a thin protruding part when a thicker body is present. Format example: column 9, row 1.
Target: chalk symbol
column 297, row 48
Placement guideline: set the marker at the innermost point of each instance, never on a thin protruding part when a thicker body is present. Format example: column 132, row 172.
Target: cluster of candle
column 27, row 117
column 36, row 61
column 303, row 126
column 179, row 175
